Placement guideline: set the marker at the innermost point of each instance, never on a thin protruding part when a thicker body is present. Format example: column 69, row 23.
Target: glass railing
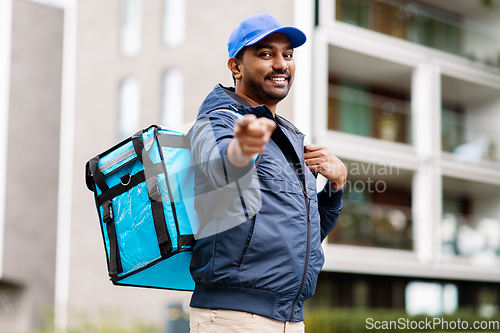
column 353, row 108
column 375, row 225
column 469, row 138
column 424, row 25
column 475, row 237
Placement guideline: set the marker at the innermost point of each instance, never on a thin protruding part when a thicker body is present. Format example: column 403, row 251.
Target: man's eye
column 288, row 56
column 265, row 54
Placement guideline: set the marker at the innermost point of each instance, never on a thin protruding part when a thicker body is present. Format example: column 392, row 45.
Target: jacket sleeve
column 210, row 137
column 329, row 206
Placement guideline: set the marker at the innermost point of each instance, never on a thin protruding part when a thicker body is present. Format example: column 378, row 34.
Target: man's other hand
column 251, row 135
column 320, row 159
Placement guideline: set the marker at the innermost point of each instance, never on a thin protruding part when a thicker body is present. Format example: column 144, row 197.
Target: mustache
column 273, row 73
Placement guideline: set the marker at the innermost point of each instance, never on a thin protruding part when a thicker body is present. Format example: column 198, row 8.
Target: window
column 174, row 22
column 131, row 15
column 430, row 298
column 129, row 108
column 173, row 99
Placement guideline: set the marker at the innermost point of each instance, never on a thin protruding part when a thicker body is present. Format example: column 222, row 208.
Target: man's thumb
column 246, row 120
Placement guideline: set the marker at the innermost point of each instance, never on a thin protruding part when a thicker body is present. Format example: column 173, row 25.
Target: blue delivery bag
column 144, row 194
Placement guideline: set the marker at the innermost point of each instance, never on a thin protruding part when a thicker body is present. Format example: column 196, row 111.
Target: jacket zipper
column 308, row 244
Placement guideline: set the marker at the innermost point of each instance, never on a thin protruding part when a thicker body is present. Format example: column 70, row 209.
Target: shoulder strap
column 236, row 113
column 288, row 150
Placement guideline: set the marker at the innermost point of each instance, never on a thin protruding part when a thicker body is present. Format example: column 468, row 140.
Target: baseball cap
column 255, row 28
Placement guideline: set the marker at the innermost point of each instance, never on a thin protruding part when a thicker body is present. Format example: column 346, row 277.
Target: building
column 406, row 93
column 30, row 159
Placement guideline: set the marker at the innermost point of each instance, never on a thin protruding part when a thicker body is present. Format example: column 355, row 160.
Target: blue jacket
column 259, row 246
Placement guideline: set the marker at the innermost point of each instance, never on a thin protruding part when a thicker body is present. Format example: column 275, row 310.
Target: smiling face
column 265, row 72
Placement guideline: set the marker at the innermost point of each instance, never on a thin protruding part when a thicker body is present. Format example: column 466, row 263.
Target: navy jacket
column 259, row 246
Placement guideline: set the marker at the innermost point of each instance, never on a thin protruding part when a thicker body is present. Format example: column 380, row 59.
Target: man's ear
column 234, row 66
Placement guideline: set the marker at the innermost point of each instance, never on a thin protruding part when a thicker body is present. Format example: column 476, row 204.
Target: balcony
column 356, row 109
column 470, row 227
column 469, row 117
column 452, row 27
column 377, row 207
column 368, row 96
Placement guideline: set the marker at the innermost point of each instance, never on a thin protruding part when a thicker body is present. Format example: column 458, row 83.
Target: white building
column 408, row 94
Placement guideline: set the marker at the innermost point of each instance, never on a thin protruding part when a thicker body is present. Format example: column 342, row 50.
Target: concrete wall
column 32, row 170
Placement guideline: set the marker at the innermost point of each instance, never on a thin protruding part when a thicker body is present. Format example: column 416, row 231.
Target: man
column 258, row 252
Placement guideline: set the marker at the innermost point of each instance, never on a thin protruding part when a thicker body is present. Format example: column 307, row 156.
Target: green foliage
column 109, row 321
column 106, row 321
column 486, row 3
column 342, row 320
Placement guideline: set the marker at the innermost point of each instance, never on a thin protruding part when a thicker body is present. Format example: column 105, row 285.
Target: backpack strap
column 93, row 166
column 115, row 263
column 163, row 237
column 290, row 154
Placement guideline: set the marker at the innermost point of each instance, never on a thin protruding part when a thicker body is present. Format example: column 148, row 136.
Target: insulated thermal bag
column 144, row 193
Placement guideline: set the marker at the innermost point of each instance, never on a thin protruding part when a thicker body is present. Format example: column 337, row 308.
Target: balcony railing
column 353, row 108
column 469, row 138
column 424, row 25
column 375, row 225
column 475, row 237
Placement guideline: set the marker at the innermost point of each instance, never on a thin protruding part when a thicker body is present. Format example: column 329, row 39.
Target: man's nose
column 280, row 63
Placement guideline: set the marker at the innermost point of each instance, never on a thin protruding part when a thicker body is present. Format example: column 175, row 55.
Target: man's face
column 267, row 69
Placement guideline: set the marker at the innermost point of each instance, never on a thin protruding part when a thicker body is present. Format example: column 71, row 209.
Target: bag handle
column 140, row 149
column 93, row 165
column 164, row 241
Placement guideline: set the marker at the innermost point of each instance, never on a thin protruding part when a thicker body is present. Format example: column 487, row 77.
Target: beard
column 272, row 93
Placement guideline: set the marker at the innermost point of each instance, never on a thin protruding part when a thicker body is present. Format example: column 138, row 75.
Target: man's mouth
column 278, row 79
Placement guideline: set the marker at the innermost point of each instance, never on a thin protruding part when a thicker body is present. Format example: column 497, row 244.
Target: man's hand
column 320, row 159
column 251, row 135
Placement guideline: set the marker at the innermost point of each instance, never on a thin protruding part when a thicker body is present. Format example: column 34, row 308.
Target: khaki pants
column 227, row 321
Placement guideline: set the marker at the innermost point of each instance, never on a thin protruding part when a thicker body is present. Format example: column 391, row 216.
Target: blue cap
column 254, row 28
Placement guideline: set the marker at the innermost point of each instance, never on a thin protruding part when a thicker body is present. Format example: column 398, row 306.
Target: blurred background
column 406, row 93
